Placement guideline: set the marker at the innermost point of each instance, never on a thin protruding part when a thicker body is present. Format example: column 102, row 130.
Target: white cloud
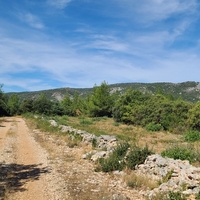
column 106, row 42
column 156, row 10
column 132, row 56
column 32, row 20
column 74, row 69
column 60, row 4
column 162, row 9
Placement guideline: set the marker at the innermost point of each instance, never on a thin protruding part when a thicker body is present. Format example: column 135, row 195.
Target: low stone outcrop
column 173, row 175
column 106, row 142
column 53, row 122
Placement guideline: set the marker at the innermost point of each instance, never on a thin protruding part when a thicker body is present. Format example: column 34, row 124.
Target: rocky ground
column 39, row 165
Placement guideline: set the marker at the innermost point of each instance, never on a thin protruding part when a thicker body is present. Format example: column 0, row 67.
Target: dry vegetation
column 139, row 181
column 157, row 141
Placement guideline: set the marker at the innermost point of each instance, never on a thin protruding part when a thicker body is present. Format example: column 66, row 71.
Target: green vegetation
column 156, row 110
column 188, row 91
column 138, row 114
column 167, row 177
column 120, row 158
column 170, row 196
column 198, row 196
column 100, row 101
column 192, row 136
column 137, row 156
column 181, row 152
column 153, row 127
column 115, row 161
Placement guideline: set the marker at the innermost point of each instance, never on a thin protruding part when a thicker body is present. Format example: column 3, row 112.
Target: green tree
column 194, row 117
column 3, row 103
column 129, row 105
column 66, row 105
column 101, row 101
column 26, row 106
column 161, row 110
column 56, row 108
column 42, row 105
column 13, row 104
column 73, row 106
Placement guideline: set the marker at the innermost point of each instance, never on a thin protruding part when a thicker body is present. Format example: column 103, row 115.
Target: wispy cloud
column 60, row 4
column 161, row 9
column 142, row 45
column 31, row 20
column 69, row 67
column 156, row 10
column 106, row 42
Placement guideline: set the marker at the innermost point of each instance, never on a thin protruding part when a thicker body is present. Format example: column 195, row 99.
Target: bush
column 86, row 121
column 121, row 149
column 180, row 152
column 74, row 139
column 175, row 196
column 198, row 196
column 111, row 163
column 94, row 142
column 137, row 156
column 116, row 159
column 170, row 196
column 192, row 136
column 153, row 127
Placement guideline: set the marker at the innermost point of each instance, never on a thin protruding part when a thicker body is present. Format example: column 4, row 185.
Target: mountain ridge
column 189, row 90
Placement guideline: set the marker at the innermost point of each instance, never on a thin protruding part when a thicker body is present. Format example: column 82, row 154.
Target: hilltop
column 188, row 91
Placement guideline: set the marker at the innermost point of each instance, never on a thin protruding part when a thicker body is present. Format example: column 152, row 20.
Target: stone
column 53, row 123
column 100, row 154
column 182, row 173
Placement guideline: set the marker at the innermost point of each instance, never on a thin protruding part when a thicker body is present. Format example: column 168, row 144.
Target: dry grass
column 139, row 181
column 157, row 141
column 70, row 161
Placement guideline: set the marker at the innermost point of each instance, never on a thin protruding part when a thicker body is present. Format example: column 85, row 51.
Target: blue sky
column 47, row 44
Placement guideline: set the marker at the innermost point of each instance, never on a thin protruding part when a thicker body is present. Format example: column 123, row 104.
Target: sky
column 46, row 44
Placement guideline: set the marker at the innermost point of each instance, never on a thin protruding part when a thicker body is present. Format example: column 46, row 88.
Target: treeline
column 155, row 112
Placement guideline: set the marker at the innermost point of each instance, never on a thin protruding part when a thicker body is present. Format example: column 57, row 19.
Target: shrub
column 116, row 159
column 121, row 149
column 116, row 124
column 111, row 163
column 167, row 177
column 74, row 139
column 137, row 156
column 192, row 136
column 170, row 196
column 86, row 121
column 180, row 152
column 198, row 196
column 94, row 142
column 176, row 196
column 153, row 127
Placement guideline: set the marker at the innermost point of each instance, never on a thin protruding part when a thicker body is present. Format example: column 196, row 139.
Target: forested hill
column 189, row 91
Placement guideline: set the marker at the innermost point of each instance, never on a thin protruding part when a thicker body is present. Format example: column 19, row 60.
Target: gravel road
column 41, row 166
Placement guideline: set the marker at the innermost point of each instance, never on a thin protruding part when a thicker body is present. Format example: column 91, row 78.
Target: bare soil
column 40, row 166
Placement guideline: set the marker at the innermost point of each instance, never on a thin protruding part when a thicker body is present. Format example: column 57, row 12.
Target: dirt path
column 40, row 166
column 25, row 173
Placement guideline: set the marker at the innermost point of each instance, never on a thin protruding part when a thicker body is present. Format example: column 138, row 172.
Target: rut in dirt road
column 24, row 170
